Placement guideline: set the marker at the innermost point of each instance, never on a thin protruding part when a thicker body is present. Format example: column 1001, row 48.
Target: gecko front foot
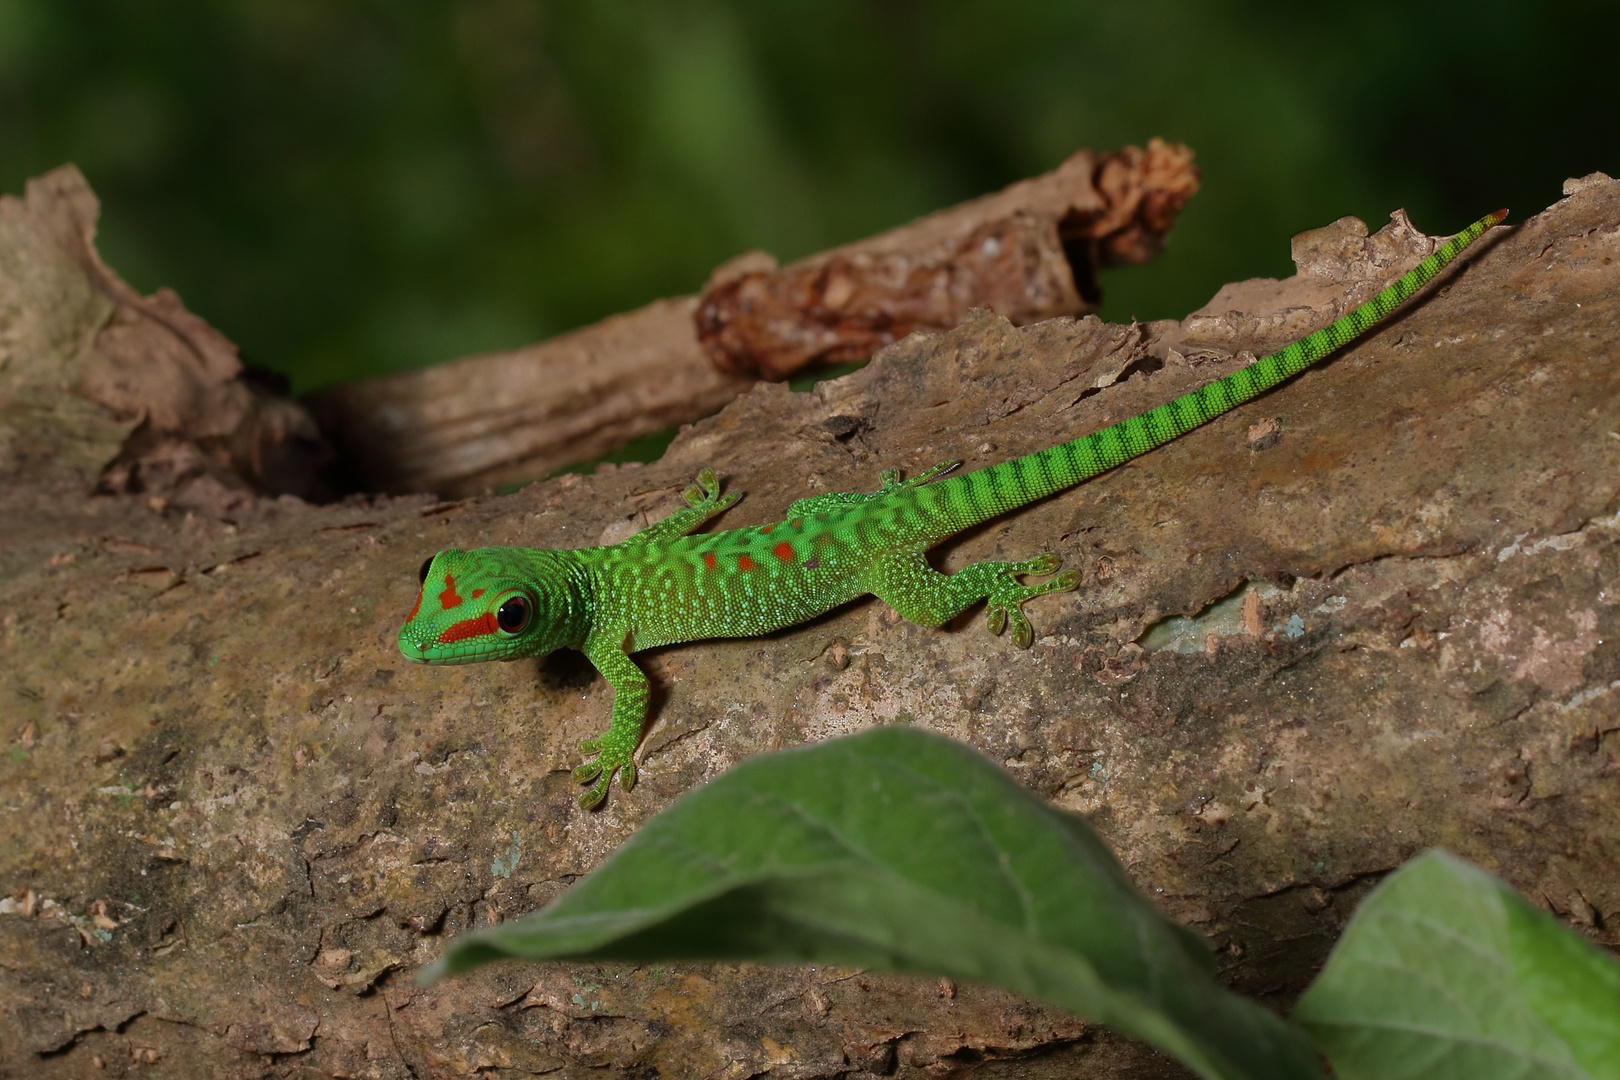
column 1006, row 595
column 705, row 493
column 611, row 758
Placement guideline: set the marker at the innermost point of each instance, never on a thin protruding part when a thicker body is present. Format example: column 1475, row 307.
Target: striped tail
column 988, row 492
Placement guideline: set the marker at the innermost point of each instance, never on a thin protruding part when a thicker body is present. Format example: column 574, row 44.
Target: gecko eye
column 421, row 575
column 513, row 615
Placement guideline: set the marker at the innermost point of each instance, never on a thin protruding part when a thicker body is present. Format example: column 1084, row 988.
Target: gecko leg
column 703, row 501
column 889, row 479
column 906, row 582
column 615, row 748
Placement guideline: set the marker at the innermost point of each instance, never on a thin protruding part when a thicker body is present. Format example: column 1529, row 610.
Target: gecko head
column 487, row 604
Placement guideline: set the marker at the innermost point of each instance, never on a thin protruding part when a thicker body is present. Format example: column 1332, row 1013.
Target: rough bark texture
column 1029, row 252
column 235, row 822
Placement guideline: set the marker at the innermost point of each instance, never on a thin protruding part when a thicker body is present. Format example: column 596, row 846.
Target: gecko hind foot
column 1007, row 595
column 889, row 479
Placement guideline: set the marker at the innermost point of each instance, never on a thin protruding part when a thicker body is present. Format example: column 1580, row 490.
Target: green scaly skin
column 664, row 585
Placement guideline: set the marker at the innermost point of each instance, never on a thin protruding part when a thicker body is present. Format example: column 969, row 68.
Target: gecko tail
column 999, row 488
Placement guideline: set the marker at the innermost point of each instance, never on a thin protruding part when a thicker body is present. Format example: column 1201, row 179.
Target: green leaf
column 901, row 851
column 1445, row 971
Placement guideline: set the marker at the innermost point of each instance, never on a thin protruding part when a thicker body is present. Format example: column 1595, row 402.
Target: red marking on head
column 766, row 528
column 708, row 559
column 783, row 551
column 466, row 628
column 448, row 599
column 795, row 523
column 416, row 606
column 477, row 593
column 744, row 563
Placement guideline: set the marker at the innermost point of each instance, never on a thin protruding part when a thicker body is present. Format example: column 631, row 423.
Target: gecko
column 669, row 584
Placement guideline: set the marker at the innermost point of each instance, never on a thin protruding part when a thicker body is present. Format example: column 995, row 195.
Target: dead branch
column 1028, row 252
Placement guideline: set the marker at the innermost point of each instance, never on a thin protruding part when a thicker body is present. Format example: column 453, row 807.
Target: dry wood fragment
column 1028, row 252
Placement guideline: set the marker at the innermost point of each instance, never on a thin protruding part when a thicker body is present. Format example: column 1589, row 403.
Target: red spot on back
column 708, row 559
column 796, row 522
column 466, row 628
column 477, row 593
column 744, row 563
column 783, row 551
column 448, row 599
column 766, row 528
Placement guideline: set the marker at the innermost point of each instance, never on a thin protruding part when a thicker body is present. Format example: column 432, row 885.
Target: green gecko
column 665, row 585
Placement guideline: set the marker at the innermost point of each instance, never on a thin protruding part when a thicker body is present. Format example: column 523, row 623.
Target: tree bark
column 1372, row 612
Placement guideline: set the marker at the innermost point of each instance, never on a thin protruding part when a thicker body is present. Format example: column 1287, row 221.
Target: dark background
column 348, row 187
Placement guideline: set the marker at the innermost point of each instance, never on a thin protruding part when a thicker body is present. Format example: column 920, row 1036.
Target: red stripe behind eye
column 466, row 628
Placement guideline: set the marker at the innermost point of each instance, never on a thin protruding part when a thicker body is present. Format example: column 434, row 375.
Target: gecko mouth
column 415, row 651
column 434, row 652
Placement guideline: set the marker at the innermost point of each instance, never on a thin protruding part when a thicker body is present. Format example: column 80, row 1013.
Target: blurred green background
column 350, row 187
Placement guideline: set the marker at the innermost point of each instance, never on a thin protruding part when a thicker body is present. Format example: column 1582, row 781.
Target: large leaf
column 1447, row 972
column 901, row 851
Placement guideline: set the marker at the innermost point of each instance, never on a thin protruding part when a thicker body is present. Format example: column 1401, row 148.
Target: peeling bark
column 171, row 387
column 235, row 822
column 1030, row 252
